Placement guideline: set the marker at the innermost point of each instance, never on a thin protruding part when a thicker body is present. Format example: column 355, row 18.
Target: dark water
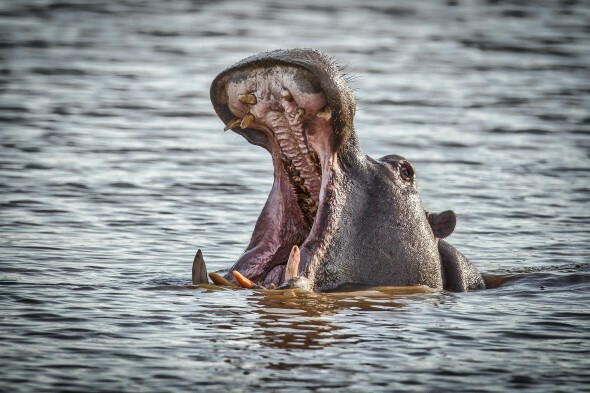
column 114, row 170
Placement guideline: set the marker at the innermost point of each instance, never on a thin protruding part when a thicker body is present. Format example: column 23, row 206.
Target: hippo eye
column 406, row 171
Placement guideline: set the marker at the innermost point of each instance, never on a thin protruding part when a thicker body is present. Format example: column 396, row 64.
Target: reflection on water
column 114, row 170
column 290, row 319
column 293, row 328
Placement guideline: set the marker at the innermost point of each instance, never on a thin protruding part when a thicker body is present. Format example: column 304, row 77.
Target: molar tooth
column 291, row 170
column 285, row 159
column 299, row 114
column 286, row 95
column 308, row 201
column 292, row 268
column 298, row 180
column 325, row 113
column 247, row 120
column 199, row 269
column 232, row 123
column 220, row 280
column 248, row 99
column 272, row 285
column 244, row 282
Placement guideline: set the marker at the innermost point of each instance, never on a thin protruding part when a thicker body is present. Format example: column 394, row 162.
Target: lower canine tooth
column 247, row 120
column 199, row 269
column 292, row 268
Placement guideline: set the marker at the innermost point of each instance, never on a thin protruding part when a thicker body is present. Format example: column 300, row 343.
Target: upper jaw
column 326, row 76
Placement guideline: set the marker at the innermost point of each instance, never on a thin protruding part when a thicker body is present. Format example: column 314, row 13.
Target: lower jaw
column 275, row 276
column 286, row 272
column 274, row 270
column 294, row 229
column 297, row 207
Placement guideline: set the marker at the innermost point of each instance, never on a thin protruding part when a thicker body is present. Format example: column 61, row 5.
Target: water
column 114, row 170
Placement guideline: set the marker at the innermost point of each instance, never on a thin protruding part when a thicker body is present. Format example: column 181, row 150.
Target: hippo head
column 334, row 215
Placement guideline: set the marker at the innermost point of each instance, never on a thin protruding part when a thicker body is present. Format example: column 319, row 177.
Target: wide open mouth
column 284, row 109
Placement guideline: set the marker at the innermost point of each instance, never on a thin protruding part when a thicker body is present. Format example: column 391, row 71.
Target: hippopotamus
column 334, row 217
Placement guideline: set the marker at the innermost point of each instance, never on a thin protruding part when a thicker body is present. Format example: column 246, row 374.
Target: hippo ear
column 442, row 224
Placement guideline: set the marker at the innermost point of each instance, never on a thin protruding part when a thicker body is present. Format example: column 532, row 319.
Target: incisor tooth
column 248, row 99
column 220, row 280
column 232, row 123
column 325, row 113
column 292, row 268
column 244, row 282
column 247, row 120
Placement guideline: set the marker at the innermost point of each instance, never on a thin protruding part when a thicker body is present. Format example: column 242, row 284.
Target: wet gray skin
column 355, row 220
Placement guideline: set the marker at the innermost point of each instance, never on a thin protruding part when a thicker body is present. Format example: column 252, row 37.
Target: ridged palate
column 273, row 107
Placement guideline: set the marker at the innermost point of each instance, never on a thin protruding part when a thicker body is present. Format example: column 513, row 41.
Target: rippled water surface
column 114, row 170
